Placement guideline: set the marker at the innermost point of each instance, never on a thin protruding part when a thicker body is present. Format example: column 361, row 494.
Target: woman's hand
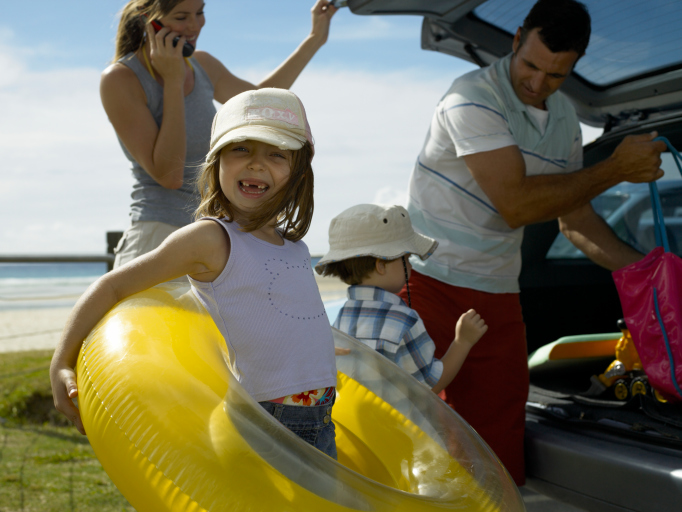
column 64, row 388
column 322, row 13
column 166, row 58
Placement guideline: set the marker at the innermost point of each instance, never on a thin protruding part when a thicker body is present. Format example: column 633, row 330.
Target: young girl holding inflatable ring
column 161, row 107
column 246, row 263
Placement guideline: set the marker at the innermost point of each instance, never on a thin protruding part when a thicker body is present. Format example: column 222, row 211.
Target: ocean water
column 49, row 285
column 45, row 285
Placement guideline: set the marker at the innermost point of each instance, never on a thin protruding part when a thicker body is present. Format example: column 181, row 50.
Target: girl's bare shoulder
column 211, row 244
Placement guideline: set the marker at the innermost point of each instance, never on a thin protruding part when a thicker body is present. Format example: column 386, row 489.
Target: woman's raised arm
column 226, row 85
column 287, row 72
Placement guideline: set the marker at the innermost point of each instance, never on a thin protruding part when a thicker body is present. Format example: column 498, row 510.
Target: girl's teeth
column 253, row 185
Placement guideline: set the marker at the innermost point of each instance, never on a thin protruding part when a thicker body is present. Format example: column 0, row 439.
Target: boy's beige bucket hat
column 384, row 232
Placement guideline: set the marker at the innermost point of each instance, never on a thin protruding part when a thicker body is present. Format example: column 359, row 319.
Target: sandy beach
column 40, row 328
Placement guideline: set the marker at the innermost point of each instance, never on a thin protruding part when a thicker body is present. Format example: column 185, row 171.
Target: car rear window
column 629, row 37
column 627, row 209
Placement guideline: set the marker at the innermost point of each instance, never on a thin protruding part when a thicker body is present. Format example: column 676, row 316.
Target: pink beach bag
column 650, row 293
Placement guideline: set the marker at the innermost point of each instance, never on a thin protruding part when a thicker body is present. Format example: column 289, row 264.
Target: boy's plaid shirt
column 382, row 321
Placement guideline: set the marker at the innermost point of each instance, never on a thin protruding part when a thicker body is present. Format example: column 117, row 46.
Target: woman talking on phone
column 161, row 106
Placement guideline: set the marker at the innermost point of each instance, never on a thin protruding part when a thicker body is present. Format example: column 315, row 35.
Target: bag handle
column 662, row 240
column 671, row 365
column 659, row 224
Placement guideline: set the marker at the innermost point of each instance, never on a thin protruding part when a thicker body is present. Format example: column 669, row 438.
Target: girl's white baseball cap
column 273, row 116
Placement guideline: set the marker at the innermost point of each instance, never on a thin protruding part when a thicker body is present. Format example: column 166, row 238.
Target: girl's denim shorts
column 312, row 424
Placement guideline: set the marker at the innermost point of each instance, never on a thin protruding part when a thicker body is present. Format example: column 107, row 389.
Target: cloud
column 65, row 181
column 369, row 129
column 13, row 59
column 345, row 28
column 371, row 28
column 11, row 65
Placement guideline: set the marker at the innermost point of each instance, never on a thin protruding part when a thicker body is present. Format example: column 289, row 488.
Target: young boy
column 369, row 250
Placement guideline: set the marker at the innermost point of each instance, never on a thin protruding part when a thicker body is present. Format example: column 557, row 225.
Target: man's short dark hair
column 564, row 25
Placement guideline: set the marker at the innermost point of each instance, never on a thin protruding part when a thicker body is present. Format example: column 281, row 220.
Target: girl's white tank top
column 268, row 307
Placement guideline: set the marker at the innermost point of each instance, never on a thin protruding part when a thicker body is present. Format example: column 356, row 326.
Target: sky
column 369, row 93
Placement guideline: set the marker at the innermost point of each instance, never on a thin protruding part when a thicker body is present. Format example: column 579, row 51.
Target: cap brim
column 417, row 244
column 272, row 136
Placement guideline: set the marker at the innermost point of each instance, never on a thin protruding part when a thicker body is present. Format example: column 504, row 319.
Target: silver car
column 595, row 454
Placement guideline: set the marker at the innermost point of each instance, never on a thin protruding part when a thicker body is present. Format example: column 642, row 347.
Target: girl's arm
column 200, row 250
column 226, row 85
column 160, row 150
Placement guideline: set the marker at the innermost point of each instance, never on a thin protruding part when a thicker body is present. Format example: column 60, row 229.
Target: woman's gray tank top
column 151, row 201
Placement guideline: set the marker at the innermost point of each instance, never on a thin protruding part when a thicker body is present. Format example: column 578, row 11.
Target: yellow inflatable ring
column 176, row 432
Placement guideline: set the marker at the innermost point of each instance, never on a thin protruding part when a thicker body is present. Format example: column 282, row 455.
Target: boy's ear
column 380, row 266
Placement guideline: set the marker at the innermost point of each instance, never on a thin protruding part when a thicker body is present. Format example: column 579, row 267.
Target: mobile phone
column 339, row 3
column 187, row 49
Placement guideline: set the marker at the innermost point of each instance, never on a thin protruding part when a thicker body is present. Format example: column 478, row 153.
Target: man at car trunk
column 505, row 150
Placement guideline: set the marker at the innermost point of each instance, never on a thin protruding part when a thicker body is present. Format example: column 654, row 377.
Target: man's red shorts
column 491, row 389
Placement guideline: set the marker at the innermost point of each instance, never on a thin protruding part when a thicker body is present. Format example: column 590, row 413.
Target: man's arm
column 594, row 237
column 522, row 199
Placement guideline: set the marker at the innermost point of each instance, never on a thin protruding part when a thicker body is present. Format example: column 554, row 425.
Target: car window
column 629, row 37
column 627, row 209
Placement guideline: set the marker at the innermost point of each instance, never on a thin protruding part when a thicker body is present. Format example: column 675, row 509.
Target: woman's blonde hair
column 130, row 35
column 292, row 206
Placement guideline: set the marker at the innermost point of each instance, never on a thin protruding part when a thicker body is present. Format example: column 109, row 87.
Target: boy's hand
column 470, row 328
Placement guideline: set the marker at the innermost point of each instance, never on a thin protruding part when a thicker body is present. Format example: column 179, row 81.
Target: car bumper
column 600, row 472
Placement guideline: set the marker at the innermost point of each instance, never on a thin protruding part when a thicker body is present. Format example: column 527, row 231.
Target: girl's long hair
column 130, row 35
column 292, row 206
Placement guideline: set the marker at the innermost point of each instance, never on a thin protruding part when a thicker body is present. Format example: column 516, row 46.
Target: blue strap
column 662, row 241
column 673, row 377
column 659, row 224
column 676, row 155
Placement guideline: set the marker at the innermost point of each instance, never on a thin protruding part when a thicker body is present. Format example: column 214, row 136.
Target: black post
column 113, row 238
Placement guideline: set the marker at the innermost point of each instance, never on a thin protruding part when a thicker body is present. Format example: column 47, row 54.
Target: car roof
column 631, row 71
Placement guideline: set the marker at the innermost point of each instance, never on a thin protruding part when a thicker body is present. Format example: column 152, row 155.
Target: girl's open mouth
column 253, row 188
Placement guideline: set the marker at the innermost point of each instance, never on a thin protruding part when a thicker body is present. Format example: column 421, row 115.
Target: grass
column 45, row 465
column 25, row 394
